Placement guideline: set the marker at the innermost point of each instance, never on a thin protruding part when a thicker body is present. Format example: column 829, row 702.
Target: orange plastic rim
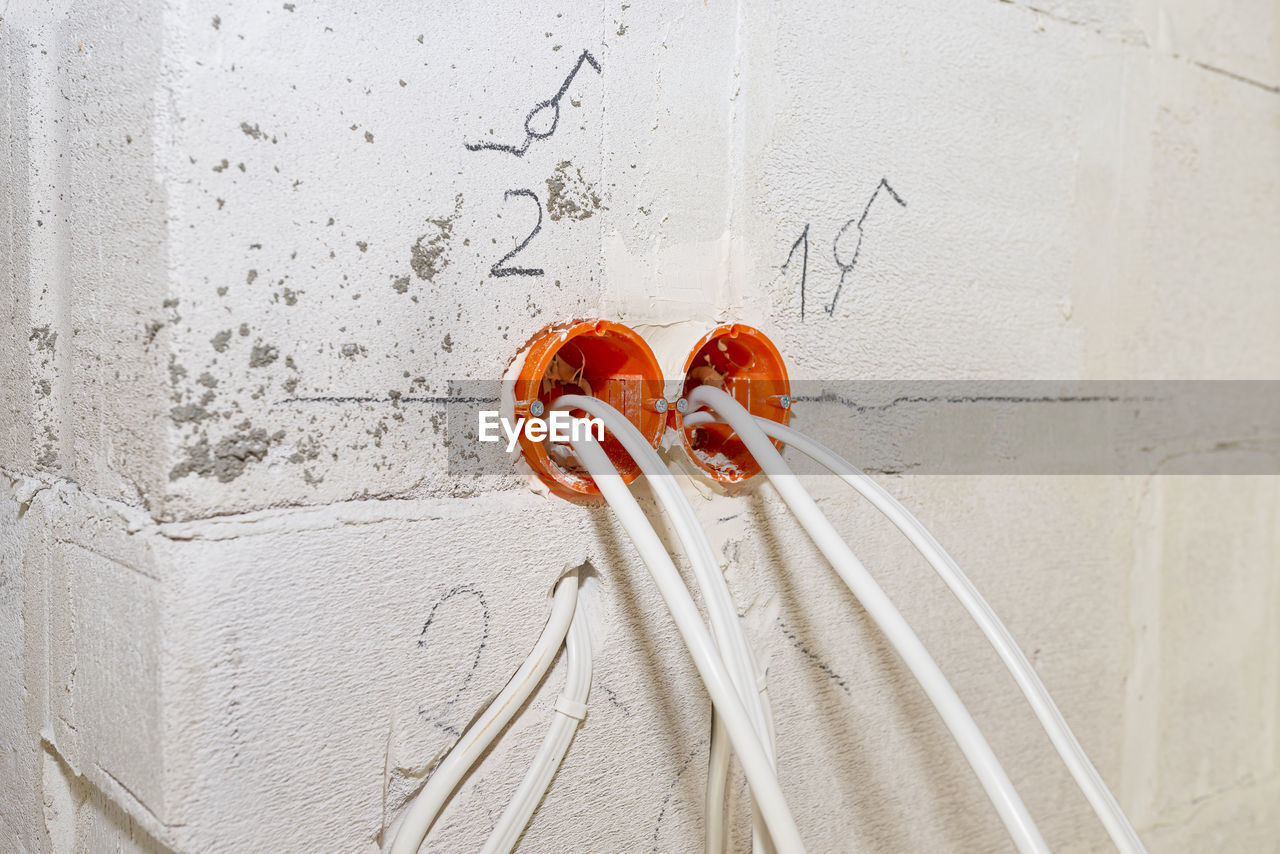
column 744, row 362
column 602, row 359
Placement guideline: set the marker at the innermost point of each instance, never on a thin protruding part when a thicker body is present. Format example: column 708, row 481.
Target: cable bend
column 568, row 713
column 1009, row 806
column 726, row 628
column 750, row 748
column 423, row 810
column 1095, row 789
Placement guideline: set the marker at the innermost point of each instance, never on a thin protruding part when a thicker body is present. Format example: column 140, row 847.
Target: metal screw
column 785, row 401
column 658, row 404
column 682, row 406
column 537, row 408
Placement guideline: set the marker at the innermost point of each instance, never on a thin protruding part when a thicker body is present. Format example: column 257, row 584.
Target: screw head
column 785, row 401
column 537, row 409
column 682, row 406
column 659, row 404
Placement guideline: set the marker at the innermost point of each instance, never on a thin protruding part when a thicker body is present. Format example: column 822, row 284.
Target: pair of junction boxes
column 612, row 362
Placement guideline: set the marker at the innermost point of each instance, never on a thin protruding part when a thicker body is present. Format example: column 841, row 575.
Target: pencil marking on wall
column 813, row 657
column 804, row 268
column 552, row 104
column 671, row 791
column 845, row 269
column 612, row 697
column 499, row 269
column 438, row 716
column 802, row 243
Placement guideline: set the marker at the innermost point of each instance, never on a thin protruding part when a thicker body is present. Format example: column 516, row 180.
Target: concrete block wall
column 244, row 602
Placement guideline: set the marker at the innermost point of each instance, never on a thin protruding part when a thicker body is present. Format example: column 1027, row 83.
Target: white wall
column 212, row 592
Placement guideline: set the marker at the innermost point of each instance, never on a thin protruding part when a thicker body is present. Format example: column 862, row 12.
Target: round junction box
column 742, row 361
column 598, row 358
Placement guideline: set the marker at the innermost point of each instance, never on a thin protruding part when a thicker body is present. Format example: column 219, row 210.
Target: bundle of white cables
column 743, row 730
column 755, row 433
column 742, row 718
column 567, row 626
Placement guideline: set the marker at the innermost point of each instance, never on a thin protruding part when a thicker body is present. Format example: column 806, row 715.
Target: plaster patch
column 262, row 355
column 430, row 253
column 188, row 413
column 228, row 459
column 570, row 195
column 44, row 338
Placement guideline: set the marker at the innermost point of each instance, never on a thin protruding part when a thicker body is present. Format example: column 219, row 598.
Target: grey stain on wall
column 188, row 413
column 43, row 338
column 430, row 254
column 262, row 355
column 228, row 458
column 48, row 458
column 570, row 195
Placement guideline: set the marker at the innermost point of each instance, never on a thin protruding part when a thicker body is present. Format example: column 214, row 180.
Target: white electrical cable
column 714, row 798
column 570, row 709
column 426, row 805
column 751, row 750
column 726, row 628
column 1055, row 726
column 1026, row 836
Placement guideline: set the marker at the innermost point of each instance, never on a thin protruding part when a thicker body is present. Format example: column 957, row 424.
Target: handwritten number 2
column 500, row 268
